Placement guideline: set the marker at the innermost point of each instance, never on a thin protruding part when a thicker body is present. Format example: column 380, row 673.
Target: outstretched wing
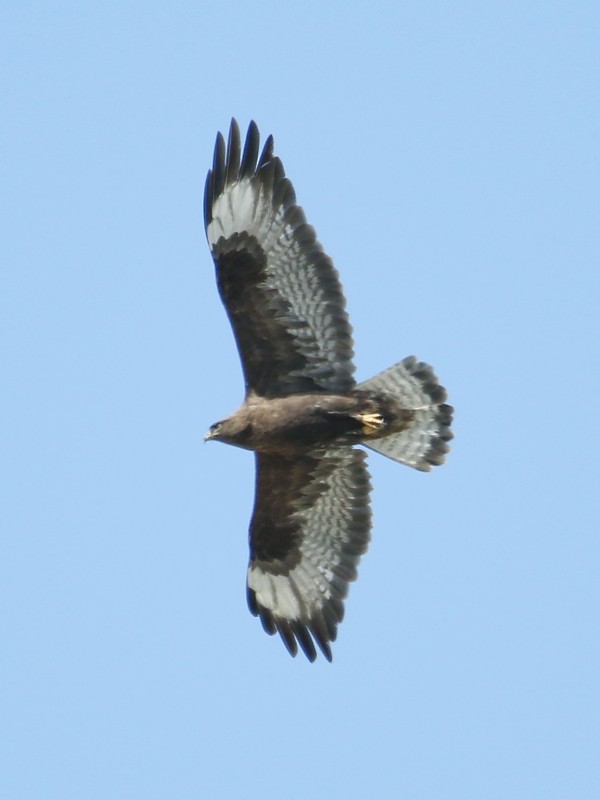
column 281, row 291
column 310, row 527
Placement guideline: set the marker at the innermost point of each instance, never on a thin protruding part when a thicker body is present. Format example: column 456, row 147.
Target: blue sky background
column 448, row 155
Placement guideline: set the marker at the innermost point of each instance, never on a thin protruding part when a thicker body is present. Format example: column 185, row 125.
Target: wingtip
column 233, row 153
column 218, row 167
column 250, row 154
column 267, row 151
column 208, row 200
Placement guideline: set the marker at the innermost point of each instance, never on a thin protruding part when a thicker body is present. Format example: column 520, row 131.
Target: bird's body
column 302, row 421
column 303, row 411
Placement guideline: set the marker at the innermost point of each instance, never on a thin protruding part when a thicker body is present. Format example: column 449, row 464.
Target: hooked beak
column 211, row 433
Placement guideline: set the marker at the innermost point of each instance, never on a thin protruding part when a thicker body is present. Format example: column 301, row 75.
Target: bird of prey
column 303, row 411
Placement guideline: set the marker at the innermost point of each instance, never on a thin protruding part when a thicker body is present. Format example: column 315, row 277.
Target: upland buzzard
column 303, row 411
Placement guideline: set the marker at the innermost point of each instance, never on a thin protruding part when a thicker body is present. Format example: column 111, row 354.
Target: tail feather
column 413, row 385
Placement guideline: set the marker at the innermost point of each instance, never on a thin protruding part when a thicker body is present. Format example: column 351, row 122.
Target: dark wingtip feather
column 215, row 179
column 233, row 153
column 287, row 636
column 250, row 154
column 218, row 168
column 267, row 152
column 321, row 635
column 251, row 600
column 208, row 199
column 304, row 640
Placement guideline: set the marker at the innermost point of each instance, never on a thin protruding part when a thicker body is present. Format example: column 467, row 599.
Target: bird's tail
column 413, row 385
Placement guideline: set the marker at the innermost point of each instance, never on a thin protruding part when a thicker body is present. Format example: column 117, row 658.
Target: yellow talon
column 372, row 423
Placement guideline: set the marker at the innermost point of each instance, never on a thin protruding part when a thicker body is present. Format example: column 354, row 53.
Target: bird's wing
column 310, row 527
column 281, row 291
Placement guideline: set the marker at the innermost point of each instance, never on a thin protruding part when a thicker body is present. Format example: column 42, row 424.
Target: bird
column 303, row 413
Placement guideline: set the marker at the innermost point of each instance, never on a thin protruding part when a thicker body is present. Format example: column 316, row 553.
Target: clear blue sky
column 448, row 155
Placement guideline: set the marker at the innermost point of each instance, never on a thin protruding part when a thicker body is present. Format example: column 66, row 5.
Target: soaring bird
column 303, row 412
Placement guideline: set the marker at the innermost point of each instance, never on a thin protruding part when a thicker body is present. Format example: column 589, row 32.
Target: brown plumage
column 303, row 410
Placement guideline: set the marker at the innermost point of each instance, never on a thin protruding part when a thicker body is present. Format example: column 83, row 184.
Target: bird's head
column 213, row 432
column 233, row 430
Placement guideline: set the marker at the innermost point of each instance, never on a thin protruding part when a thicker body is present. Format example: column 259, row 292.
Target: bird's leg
column 371, row 423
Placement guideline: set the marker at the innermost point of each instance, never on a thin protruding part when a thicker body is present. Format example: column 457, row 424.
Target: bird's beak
column 207, row 436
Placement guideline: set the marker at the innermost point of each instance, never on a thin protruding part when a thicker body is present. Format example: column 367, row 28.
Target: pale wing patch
column 237, row 210
column 295, row 596
column 246, row 207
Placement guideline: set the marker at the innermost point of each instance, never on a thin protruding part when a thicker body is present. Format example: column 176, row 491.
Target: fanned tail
column 413, row 385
